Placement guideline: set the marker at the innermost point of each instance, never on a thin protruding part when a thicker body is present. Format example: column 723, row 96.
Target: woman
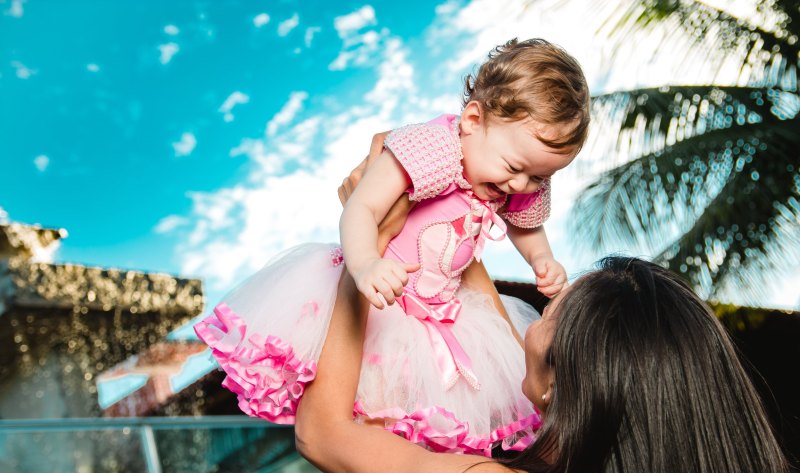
column 630, row 368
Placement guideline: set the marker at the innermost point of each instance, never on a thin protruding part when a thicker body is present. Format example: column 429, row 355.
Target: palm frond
column 710, row 204
column 646, row 200
column 766, row 46
column 648, row 120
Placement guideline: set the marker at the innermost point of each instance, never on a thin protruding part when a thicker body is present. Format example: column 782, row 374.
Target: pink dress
column 441, row 367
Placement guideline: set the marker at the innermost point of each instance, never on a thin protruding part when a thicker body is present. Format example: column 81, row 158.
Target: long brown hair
column 647, row 380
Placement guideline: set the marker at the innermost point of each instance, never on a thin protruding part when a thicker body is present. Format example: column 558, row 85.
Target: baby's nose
column 518, row 183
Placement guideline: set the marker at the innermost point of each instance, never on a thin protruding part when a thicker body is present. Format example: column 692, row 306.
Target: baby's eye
column 513, row 169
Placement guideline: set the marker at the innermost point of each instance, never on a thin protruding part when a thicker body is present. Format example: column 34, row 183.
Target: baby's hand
column 551, row 277
column 383, row 277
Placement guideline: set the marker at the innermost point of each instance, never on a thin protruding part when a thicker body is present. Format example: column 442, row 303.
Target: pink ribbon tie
column 488, row 218
column 450, row 355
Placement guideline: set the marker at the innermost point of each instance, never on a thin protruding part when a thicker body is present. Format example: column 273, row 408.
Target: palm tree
column 711, row 174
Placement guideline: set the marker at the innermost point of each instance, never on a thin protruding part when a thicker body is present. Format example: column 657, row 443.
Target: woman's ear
column 472, row 118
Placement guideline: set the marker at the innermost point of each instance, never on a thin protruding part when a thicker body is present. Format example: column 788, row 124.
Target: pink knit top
column 449, row 226
column 431, row 155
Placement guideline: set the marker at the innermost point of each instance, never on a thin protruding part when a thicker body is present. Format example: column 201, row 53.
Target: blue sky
column 202, row 137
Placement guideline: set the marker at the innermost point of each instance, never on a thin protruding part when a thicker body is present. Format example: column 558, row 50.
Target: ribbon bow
column 450, row 355
column 487, row 218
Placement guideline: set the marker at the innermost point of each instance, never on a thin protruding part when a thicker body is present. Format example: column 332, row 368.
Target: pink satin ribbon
column 488, row 218
column 450, row 355
column 416, row 428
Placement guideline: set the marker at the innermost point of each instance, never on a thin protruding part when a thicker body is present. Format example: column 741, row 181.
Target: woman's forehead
column 551, row 307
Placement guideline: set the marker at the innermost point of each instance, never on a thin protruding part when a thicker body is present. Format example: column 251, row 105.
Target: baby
column 439, row 361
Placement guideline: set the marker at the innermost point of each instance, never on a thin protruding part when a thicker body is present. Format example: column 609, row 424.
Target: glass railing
column 148, row 444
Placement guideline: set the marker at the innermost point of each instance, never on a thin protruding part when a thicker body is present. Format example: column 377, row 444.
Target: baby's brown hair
column 533, row 79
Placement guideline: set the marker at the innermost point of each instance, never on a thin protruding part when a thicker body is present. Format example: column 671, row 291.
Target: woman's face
column 539, row 375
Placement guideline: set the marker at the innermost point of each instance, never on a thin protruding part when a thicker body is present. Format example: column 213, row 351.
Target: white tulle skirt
column 267, row 335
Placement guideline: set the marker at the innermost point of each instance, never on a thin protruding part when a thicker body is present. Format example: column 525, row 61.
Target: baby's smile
column 493, row 191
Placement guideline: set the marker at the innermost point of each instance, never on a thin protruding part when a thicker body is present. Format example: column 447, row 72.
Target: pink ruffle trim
column 417, row 428
column 267, row 377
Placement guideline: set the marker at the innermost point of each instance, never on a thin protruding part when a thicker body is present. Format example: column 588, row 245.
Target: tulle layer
column 266, row 376
column 440, row 431
column 268, row 334
column 402, row 381
column 269, row 351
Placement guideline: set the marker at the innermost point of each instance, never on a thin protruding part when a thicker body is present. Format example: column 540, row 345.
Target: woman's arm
column 476, row 277
column 325, row 433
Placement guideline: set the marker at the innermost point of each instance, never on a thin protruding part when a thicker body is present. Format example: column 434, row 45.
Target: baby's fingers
column 370, row 295
column 374, row 299
column 551, row 290
column 548, row 291
column 546, row 279
column 385, row 289
column 540, row 268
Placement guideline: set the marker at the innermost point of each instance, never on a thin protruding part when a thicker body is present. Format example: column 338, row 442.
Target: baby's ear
column 471, row 117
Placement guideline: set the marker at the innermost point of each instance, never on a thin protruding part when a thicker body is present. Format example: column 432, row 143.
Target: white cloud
column 171, row 30
column 234, row 99
column 287, row 112
column 3, row 216
column 92, row 67
column 286, row 26
column 170, row 223
column 310, row 32
column 235, row 230
column 186, row 145
column 395, row 80
column 347, row 25
column 16, row 8
column 289, row 195
column 168, row 51
column 260, row 20
column 23, row 72
column 358, row 47
column 359, row 50
column 41, row 162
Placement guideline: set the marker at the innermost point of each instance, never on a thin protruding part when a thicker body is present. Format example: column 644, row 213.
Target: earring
column 544, row 397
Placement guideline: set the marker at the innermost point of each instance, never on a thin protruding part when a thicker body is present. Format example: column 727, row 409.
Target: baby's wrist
column 358, row 266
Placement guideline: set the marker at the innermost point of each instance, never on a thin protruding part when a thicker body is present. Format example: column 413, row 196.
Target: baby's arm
column 384, row 182
column 533, row 246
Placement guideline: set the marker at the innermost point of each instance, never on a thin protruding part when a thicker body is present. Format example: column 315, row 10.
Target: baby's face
column 504, row 157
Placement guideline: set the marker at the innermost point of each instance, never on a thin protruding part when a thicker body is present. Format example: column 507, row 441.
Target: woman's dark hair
column 647, row 380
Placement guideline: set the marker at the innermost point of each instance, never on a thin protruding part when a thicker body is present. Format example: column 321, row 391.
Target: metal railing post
column 150, row 449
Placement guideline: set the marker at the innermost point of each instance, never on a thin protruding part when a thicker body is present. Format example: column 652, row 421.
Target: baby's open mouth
column 494, row 191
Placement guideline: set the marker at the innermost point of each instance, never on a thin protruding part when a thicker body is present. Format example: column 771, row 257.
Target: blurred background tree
column 708, row 176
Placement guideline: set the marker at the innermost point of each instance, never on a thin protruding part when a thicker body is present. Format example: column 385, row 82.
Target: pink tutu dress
column 441, row 367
